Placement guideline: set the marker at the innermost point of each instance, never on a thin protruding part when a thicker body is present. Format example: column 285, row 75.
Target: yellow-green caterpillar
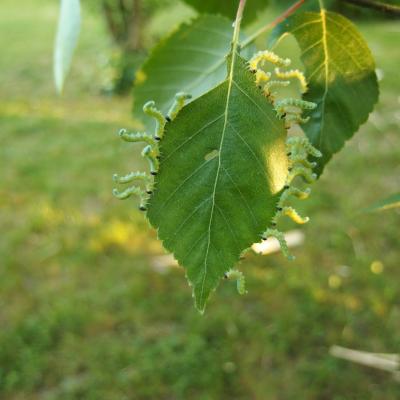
column 240, row 280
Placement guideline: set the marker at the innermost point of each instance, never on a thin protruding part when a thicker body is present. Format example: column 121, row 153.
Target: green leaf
column 192, row 59
column 229, row 8
column 66, row 40
column 341, row 74
column 223, row 165
column 388, row 203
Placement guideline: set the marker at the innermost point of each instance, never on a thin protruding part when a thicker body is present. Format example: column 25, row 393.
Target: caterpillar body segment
column 281, row 239
column 296, row 142
column 294, row 118
column 262, row 56
column 282, row 107
column 177, row 105
column 151, row 155
column 271, row 84
column 302, row 171
column 137, row 137
column 292, row 214
column 299, row 159
column 293, row 191
column 293, row 73
column 150, row 109
column 262, row 77
column 240, row 280
column 130, row 191
column 135, row 176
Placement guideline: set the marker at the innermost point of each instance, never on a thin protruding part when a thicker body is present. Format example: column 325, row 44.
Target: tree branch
column 275, row 22
column 376, row 5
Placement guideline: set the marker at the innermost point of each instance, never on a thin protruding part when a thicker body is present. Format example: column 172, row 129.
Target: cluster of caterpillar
column 298, row 149
column 151, row 151
column 288, row 109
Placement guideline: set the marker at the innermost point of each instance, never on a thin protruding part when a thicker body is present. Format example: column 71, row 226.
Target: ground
column 84, row 314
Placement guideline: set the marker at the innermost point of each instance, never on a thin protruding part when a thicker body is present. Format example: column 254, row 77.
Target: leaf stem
column 275, row 22
column 239, row 16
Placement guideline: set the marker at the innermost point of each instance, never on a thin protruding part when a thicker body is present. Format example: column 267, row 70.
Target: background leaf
column 66, row 40
column 228, row 8
column 341, row 74
column 390, row 202
column 192, row 59
column 223, row 164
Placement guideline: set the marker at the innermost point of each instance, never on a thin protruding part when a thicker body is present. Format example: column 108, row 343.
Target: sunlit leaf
column 341, row 74
column 66, row 40
column 223, row 165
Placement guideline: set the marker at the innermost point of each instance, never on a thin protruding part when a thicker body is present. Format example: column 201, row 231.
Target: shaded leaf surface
column 341, row 74
column 192, row 59
column 228, row 8
column 388, row 203
column 223, row 164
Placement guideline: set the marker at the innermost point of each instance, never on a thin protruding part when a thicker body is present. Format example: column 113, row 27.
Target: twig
column 275, row 22
column 376, row 5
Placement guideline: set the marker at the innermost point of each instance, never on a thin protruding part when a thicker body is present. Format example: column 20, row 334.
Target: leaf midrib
column 226, row 113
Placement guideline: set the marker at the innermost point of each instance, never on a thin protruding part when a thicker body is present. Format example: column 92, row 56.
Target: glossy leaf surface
column 340, row 71
column 223, row 165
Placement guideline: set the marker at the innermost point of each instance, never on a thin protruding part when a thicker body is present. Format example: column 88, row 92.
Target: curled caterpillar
column 299, row 159
column 266, row 55
column 271, row 84
column 293, row 191
column 281, row 239
column 137, row 137
column 151, row 155
column 281, row 106
column 295, row 143
column 293, row 73
column 302, row 171
column 240, row 280
column 177, row 105
column 133, row 190
column 291, row 213
column 150, row 109
column 135, row 176
column 262, row 77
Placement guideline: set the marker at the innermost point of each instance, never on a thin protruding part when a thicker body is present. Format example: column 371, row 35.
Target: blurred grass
column 83, row 314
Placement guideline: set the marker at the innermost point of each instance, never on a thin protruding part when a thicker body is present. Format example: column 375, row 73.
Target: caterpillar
column 132, row 176
column 151, row 155
column 137, row 137
column 240, row 280
column 291, row 213
column 293, row 191
column 150, row 109
column 276, row 83
column 293, row 73
column 281, row 239
column 266, row 55
column 133, row 190
column 177, row 105
column 262, row 77
column 295, row 143
column 302, row 171
column 281, row 106
column 299, row 159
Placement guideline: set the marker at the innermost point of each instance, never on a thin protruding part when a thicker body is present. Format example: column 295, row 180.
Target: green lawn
column 85, row 315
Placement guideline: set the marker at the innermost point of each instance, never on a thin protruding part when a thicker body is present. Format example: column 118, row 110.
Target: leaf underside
column 192, row 59
column 340, row 71
column 66, row 40
column 223, row 165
